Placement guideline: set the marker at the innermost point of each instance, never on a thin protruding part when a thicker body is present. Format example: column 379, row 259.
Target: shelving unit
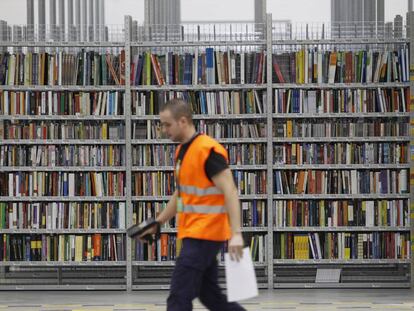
column 131, row 274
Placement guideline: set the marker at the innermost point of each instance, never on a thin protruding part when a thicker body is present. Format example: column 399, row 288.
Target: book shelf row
column 298, row 246
column 245, row 102
column 205, row 66
column 318, row 214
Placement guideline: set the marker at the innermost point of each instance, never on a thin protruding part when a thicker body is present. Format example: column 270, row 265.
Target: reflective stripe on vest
column 203, row 209
column 200, row 191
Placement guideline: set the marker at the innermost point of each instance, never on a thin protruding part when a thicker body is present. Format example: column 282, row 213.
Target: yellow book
column 78, row 247
column 289, row 128
column 305, row 240
column 347, row 253
column 89, row 248
column 110, row 155
column 321, row 214
column 148, row 68
column 105, row 131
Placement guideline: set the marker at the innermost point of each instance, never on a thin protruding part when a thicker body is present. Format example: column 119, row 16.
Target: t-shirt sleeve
column 216, row 163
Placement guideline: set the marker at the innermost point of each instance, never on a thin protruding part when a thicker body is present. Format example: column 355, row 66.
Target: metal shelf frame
column 267, row 44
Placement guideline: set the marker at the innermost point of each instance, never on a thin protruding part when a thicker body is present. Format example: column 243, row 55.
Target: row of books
column 114, row 155
column 327, row 213
column 62, row 103
column 144, row 210
column 62, row 155
column 63, row 248
column 163, row 183
column 153, row 155
column 342, row 245
column 202, row 102
column 62, row 215
column 207, row 66
column 239, row 154
column 341, row 182
column 62, row 184
column 318, row 66
column 341, row 153
column 82, row 68
column 253, row 213
column 341, row 100
column 168, row 248
column 340, row 128
column 250, row 182
column 61, row 130
column 234, row 129
column 153, row 183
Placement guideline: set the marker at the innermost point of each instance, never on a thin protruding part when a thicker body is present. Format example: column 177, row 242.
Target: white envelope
column 240, row 277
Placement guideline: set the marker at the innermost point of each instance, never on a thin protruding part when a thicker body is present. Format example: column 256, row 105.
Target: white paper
column 240, row 277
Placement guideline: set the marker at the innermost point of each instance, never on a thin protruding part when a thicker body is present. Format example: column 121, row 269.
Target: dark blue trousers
column 195, row 275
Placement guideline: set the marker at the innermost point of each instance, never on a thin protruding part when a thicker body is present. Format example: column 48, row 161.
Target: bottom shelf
column 62, row 287
column 63, row 278
column 381, row 275
column 159, row 277
column 342, row 285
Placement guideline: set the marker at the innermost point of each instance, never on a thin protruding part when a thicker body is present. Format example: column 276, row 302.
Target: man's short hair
column 179, row 108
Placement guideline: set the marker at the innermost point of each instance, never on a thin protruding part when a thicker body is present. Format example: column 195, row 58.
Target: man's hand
column 236, row 246
column 151, row 231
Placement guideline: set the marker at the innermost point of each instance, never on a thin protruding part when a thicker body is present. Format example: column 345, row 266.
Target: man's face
column 171, row 127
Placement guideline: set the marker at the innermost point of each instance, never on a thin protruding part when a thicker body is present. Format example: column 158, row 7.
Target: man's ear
column 183, row 120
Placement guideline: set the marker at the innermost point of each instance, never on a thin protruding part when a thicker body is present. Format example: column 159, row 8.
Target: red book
column 278, row 72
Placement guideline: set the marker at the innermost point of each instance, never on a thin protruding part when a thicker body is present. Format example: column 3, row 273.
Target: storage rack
column 125, row 273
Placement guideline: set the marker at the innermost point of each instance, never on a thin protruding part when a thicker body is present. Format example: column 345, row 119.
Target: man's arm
column 168, row 213
column 224, row 181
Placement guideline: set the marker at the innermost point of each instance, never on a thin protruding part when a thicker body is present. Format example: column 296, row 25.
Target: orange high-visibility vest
column 204, row 215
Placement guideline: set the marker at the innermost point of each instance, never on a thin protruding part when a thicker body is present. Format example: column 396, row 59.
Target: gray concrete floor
column 309, row 299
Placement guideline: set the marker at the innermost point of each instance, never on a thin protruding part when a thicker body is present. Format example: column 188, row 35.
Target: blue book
column 199, row 68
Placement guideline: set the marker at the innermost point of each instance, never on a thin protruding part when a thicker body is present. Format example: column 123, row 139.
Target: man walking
column 208, row 210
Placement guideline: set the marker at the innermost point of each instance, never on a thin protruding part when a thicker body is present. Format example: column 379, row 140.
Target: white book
column 242, row 73
column 407, row 62
column 402, row 181
column 377, row 68
column 195, row 67
column 11, row 70
column 261, row 249
column 311, row 102
column 318, row 245
column 320, row 58
column 335, row 214
column 6, row 103
column 167, row 74
column 350, row 213
column 71, row 184
column 232, row 65
column 311, row 245
column 354, row 182
column 11, row 184
column 259, row 104
column 404, row 105
column 369, row 213
column 121, row 216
